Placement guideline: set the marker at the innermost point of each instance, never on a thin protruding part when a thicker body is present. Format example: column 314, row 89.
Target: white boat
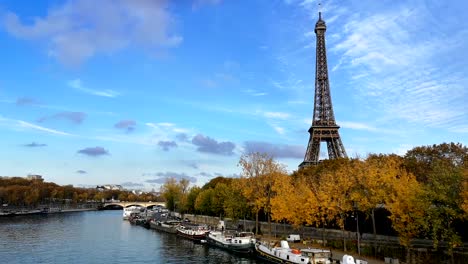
column 238, row 242
column 193, row 231
column 131, row 209
column 284, row 254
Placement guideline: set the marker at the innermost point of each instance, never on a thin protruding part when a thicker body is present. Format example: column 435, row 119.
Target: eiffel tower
column 324, row 127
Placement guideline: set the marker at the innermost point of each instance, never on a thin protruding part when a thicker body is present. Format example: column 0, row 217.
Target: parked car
column 294, row 238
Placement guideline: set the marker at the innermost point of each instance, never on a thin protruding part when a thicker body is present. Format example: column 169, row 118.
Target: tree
column 172, row 192
column 203, row 203
column 259, row 171
column 235, row 204
column 374, row 180
column 191, row 198
column 442, row 171
column 407, row 209
column 294, row 201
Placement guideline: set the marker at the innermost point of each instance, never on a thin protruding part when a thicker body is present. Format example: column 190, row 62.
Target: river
column 98, row 237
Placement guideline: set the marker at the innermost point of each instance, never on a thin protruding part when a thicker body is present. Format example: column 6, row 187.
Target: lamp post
column 355, row 207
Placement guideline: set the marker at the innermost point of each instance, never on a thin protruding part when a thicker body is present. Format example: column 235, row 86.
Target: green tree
column 191, row 198
column 441, row 169
column 203, row 203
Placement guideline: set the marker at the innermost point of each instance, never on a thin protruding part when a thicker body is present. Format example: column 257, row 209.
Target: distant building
column 137, row 192
column 111, row 187
column 34, row 177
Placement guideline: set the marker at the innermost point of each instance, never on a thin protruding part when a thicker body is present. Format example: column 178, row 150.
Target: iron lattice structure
column 324, row 127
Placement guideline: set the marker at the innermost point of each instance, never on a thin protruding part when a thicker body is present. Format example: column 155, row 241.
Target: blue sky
column 132, row 92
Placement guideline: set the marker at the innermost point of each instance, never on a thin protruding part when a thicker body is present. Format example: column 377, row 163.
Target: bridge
column 127, row 204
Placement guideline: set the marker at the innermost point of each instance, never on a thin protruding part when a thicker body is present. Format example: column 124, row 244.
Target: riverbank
column 42, row 211
column 336, row 253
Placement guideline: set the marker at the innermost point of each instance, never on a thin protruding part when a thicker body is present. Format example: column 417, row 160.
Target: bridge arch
column 128, row 204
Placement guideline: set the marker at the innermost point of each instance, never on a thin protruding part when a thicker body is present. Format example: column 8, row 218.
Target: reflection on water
column 98, row 237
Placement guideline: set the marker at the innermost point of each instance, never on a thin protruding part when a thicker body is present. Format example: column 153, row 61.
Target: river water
column 98, row 237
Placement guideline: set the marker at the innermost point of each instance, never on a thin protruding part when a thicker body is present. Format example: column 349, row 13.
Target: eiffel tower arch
column 324, row 127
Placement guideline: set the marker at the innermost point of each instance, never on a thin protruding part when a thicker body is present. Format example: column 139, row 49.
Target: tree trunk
column 256, row 222
column 323, row 234
column 375, row 233
column 269, row 225
column 408, row 255
column 344, row 240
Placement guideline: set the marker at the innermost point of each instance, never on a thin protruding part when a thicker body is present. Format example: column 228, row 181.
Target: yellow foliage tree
column 259, row 171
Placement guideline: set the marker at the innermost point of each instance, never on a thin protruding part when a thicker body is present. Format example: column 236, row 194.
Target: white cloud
column 165, row 131
column 356, row 125
column 276, row 115
column 19, row 124
column 77, row 85
column 278, row 129
column 402, row 149
column 40, row 128
column 253, row 92
column 78, row 30
column 398, row 67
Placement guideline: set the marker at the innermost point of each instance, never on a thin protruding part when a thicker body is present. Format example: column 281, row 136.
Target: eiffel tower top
column 320, row 25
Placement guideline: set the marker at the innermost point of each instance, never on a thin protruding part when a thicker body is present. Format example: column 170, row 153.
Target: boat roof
column 315, row 250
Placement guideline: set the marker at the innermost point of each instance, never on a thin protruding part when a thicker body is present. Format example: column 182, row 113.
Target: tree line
column 18, row 191
column 425, row 192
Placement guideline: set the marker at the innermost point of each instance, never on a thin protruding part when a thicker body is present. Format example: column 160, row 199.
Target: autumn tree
column 203, row 203
column 259, row 171
column 174, row 193
column 191, row 199
column 235, row 203
column 293, row 202
column 375, row 177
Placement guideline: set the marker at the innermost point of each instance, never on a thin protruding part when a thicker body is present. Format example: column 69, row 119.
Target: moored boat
column 284, row 254
column 169, row 226
column 129, row 210
column 137, row 219
column 193, row 231
column 238, row 242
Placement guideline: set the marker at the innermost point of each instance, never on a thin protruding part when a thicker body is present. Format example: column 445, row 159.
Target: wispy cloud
column 128, row 125
column 276, row 115
column 35, row 145
column 276, row 150
column 93, row 151
column 165, row 131
column 74, row 117
column 398, row 71
column 76, row 30
column 24, row 101
column 162, row 177
column 166, row 145
column 280, row 130
column 77, row 85
column 253, row 92
column 356, row 126
column 40, row 128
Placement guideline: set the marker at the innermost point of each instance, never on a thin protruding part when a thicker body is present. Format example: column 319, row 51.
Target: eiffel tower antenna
column 324, row 127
